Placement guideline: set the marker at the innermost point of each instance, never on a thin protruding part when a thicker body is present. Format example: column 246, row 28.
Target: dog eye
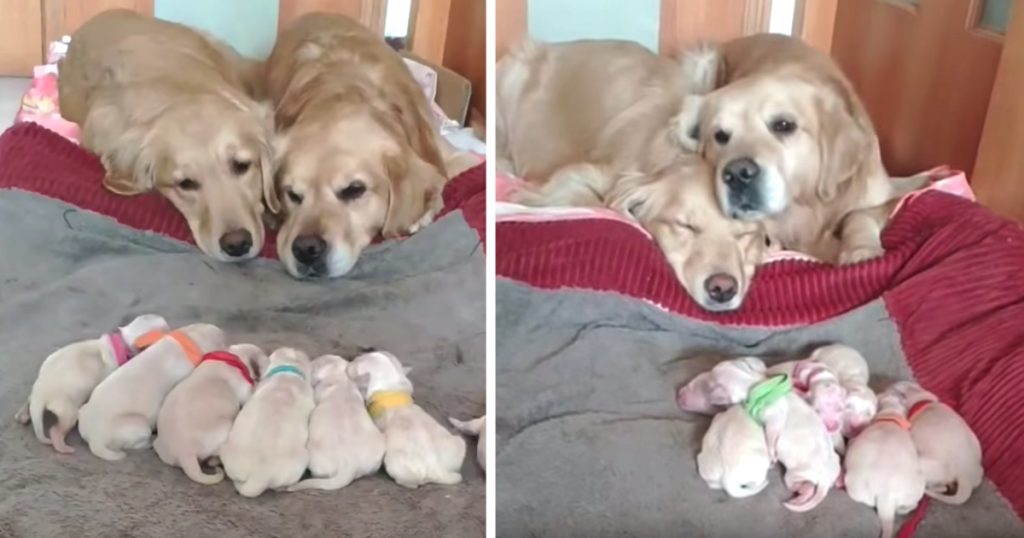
column 782, row 126
column 690, row 227
column 722, row 137
column 188, row 184
column 353, row 191
column 295, row 197
column 239, row 167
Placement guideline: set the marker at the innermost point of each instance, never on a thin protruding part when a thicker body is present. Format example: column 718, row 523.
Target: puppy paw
column 22, row 416
column 860, row 254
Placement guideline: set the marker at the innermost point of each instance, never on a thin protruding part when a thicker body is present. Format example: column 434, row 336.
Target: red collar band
column 231, row 360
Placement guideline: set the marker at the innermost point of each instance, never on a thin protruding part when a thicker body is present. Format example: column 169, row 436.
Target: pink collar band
column 120, row 348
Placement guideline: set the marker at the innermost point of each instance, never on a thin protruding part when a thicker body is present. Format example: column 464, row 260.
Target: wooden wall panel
column 684, row 22
column 816, row 20
column 369, row 12
column 466, row 48
column 430, row 29
column 510, row 24
column 21, row 36
column 63, row 17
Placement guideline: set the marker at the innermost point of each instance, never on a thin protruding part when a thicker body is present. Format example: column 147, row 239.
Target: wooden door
column 63, row 17
column 925, row 70
column 369, row 12
column 21, row 36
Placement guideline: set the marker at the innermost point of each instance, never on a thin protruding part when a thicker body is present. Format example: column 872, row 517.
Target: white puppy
column 733, row 454
column 844, row 361
column 476, row 428
column 196, row 417
column 266, row 448
column 344, row 443
column 882, row 468
column 419, row 450
column 796, row 436
column 948, row 450
column 725, row 384
column 122, row 411
column 68, row 376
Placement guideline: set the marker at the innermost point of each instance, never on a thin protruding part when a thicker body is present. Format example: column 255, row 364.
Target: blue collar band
column 284, row 369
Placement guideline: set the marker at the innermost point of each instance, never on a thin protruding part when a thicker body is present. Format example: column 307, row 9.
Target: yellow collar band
column 386, row 400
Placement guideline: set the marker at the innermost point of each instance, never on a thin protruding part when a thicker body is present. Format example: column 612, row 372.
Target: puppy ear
column 847, row 140
column 414, row 190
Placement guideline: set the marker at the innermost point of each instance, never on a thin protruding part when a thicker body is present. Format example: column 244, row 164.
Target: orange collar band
column 917, row 409
column 894, row 419
column 191, row 349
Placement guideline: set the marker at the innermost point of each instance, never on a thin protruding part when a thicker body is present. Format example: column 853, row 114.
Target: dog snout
column 740, row 171
column 309, row 249
column 236, row 243
column 721, row 287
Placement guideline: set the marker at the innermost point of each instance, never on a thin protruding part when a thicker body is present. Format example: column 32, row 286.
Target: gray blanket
column 590, row 441
column 67, row 275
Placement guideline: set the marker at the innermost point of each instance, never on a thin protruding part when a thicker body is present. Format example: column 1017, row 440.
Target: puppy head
column 379, row 371
column 778, row 139
column 329, row 368
column 213, row 161
column 292, row 357
column 891, row 402
column 142, row 325
column 694, row 397
column 828, row 398
column 713, row 257
column 346, row 175
column 910, row 393
column 253, row 357
column 861, row 406
column 207, row 337
column 839, row 356
column 732, row 379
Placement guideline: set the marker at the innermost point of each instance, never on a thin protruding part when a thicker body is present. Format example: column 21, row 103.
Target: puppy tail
column 886, row 508
column 104, row 452
column 337, row 481
column 808, row 496
column 468, row 427
column 37, row 410
column 951, row 493
column 193, row 470
column 250, row 488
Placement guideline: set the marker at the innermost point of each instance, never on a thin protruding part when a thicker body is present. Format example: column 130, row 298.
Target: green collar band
column 766, row 393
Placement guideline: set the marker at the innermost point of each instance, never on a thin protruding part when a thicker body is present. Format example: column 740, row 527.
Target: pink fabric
column 120, row 348
column 39, row 104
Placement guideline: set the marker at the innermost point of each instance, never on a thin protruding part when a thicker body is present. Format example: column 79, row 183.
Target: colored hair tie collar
column 893, row 419
column 766, row 393
column 231, row 360
column 119, row 347
column 917, row 409
column 147, row 339
column 387, row 399
column 191, row 349
column 284, row 369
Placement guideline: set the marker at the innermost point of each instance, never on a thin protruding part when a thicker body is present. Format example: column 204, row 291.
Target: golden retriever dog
column 170, row 109
column 358, row 152
column 586, row 123
column 791, row 145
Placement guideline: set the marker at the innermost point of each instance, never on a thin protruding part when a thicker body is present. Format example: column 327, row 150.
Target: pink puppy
column 724, row 385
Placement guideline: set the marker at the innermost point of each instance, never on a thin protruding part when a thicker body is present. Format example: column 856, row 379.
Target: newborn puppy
column 344, row 444
column 861, row 406
column 476, row 428
column 948, row 450
column 122, row 411
column 196, row 417
column 796, row 436
column 882, row 467
column 266, row 448
column 821, row 388
column 845, row 362
column 419, row 450
column 69, row 375
column 725, row 384
column 733, row 454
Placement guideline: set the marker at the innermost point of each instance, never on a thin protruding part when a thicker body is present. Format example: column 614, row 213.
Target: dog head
column 713, row 257
column 291, row 357
column 379, row 371
column 253, row 357
column 213, row 161
column 329, row 368
column 774, row 140
column 360, row 166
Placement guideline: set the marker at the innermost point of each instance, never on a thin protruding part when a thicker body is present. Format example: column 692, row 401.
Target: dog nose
column 236, row 243
column 743, row 169
column 308, row 249
column 721, row 287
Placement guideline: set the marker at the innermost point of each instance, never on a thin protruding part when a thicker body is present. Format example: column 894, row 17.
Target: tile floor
column 11, row 90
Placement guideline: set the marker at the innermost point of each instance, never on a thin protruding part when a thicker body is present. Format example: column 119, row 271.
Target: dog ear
column 846, row 141
column 132, row 171
column 413, row 190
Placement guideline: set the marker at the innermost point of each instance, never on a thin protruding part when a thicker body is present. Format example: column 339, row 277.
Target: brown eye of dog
column 353, row 191
column 690, row 227
column 722, row 137
column 239, row 167
column 783, row 126
column 295, row 197
column 188, row 184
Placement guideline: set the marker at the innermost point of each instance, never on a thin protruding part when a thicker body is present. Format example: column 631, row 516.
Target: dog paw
column 860, row 254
